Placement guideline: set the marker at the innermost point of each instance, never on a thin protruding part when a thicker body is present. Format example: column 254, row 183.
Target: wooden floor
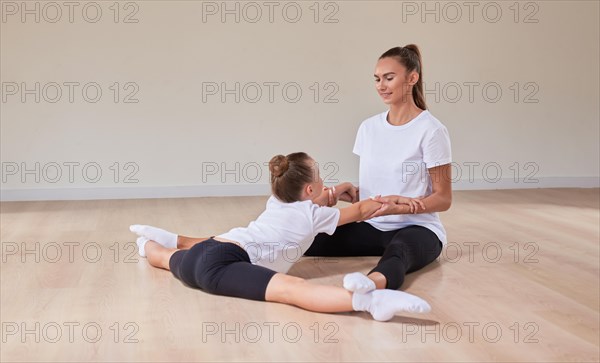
column 518, row 281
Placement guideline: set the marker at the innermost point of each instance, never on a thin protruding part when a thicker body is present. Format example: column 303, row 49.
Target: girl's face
column 392, row 82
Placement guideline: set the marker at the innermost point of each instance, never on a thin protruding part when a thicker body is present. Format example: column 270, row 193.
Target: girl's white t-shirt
column 394, row 161
column 283, row 232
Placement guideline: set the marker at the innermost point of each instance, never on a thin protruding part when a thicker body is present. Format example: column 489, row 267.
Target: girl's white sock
column 384, row 304
column 165, row 238
column 141, row 242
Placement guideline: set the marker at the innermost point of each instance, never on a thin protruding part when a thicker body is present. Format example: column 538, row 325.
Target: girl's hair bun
column 278, row 165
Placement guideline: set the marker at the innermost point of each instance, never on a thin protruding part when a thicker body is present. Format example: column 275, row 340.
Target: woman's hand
column 439, row 200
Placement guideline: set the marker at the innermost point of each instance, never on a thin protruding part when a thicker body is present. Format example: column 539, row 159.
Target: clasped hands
column 378, row 206
column 395, row 204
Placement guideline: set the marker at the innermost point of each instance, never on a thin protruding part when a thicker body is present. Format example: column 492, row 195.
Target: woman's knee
column 415, row 243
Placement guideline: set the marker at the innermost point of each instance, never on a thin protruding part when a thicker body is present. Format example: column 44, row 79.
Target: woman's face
column 391, row 81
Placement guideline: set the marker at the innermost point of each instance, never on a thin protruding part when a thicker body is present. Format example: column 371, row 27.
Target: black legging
column 221, row 268
column 402, row 251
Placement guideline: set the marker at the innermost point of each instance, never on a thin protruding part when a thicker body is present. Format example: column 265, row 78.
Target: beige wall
column 172, row 142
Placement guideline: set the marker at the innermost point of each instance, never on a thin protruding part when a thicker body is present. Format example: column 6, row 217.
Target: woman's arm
column 358, row 211
column 439, row 200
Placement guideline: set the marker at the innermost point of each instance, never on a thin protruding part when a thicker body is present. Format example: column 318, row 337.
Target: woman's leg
column 411, row 249
column 353, row 239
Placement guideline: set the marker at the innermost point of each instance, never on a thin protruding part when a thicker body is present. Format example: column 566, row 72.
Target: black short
column 221, row 268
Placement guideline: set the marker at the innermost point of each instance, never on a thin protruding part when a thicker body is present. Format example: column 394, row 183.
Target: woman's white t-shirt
column 283, row 232
column 394, row 161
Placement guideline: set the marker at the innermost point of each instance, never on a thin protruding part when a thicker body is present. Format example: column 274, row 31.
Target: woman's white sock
column 165, row 238
column 358, row 282
column 384, row 304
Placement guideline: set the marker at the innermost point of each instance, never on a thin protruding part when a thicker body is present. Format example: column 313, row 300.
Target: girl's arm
column 323, row 198
column 439, row 200
column 346, row 192
column 359, row 211
column 330, row 196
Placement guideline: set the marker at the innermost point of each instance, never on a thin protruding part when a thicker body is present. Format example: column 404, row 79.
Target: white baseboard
column 508, row 183
column 7, row 195
column 133, row 192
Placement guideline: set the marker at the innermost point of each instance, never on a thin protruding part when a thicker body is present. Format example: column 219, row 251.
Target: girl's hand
column 368, row 208
column 386, row 207
column 347, row 192
column 414, row 203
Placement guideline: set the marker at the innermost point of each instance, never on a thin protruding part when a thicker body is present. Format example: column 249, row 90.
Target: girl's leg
column 381, row 304
column 157, row 255
column 165, row 238
column 225, row 269
column 185, row 243
column 296, row 291
column 164, row 258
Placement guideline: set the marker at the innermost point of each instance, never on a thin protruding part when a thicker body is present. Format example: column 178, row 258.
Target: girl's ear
column 309, row 189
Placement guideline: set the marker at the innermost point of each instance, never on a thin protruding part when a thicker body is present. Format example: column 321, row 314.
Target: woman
column 404, row 153
column 251, row 262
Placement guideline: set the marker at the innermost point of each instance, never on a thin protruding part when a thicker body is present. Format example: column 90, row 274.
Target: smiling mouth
column 388, row 94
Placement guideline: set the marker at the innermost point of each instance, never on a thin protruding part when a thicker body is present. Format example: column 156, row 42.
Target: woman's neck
column 402, row 113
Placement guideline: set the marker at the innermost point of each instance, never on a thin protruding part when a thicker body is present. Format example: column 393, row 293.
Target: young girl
column 251, row 262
